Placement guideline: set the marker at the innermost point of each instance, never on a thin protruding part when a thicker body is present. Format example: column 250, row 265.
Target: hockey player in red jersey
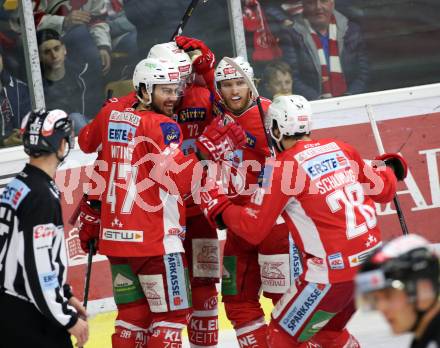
column 193, row 114
column 247, row 268
column 142, row 215
column 325, row 192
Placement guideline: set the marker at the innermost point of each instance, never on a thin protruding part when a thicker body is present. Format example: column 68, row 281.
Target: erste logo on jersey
column 14, row 193
column 325, row 164
column 120, row 132
column 170, row 132
column 191, row 115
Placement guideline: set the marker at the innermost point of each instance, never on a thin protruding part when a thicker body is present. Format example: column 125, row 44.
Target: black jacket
column 431, row 336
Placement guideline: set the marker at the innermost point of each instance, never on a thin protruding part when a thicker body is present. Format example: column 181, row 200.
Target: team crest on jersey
column 250, row 140
column 325, row 164
column 336, row 261
column 170, row 132
column 120, row 132
column 14, row 193
column 191, row 115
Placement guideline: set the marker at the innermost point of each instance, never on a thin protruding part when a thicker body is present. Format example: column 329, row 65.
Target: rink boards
column 408, row 121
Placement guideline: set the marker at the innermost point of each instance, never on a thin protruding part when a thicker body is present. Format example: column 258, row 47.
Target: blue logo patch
column 177, row 290
column 303, row 307
column 120, row 132
column 336, row 261
column 171, row 132
column 48, row 281
column 14, row 193
column 324, row 164
column 250, row 140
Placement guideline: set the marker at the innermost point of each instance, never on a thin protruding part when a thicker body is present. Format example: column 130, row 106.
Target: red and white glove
column 396, row 162
column 89, row 225
column 218, row 140
column 203, row 63
column 212, row 203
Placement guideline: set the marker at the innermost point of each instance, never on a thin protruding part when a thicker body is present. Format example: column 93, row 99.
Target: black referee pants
column 22, row 325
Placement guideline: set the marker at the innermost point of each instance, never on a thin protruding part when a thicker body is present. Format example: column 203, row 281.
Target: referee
column 37, row 307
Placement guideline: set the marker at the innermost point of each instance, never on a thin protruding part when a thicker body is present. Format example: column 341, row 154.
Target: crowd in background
column 315, row 48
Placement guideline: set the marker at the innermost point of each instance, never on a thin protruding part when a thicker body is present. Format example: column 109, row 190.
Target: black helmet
column 44, row 130
column 399, row 264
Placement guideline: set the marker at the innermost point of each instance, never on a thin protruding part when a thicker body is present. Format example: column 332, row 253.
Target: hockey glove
column 212, row 203
column 396, row 162
column 89, row 223
column 204, row 62
column 218, row 140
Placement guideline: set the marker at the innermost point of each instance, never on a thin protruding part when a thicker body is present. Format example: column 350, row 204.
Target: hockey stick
column 88, row 271
column 381, row 149
column 255, row 93
column 188, row 13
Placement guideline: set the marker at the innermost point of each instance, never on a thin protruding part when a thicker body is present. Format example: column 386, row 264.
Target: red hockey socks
column 252, row 335
column 203, row 325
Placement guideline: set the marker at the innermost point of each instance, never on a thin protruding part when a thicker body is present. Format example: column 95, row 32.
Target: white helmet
column 170, row 51
column 153, row 71
column 225, row 71
column 292, row 113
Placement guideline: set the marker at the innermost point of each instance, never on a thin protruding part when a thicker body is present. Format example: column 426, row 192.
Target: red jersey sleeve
column 381, row 183
column 254, row 221
column 90, row 137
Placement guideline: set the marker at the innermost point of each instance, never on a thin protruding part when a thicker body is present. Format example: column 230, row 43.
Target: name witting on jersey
column 324, row 164
column 122, row 152
column 120, row 132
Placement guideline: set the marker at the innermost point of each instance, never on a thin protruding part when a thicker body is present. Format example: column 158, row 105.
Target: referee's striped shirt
column 33, row 260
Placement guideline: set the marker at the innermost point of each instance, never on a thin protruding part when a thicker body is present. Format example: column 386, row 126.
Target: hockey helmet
column 174, row 54
column 400, row 264
column 225, row 71
column 154, row 71
column 44, row 130
column 292, row 115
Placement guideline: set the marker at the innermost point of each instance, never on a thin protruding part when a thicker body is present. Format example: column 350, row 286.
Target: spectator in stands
column 156, row 21
column 14, row 105
column 280, row 13
column 326, row 52
column 277, row 80
column 124, row 40
column 83, row 28
column 65, row 84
